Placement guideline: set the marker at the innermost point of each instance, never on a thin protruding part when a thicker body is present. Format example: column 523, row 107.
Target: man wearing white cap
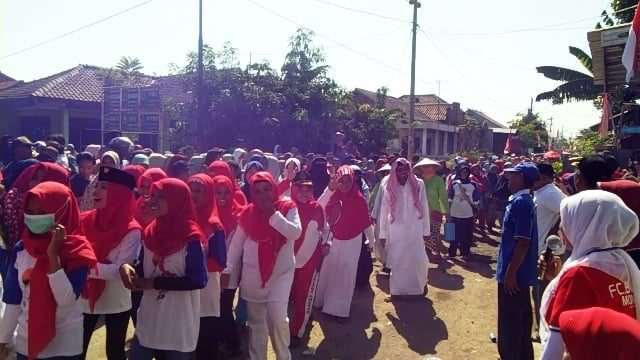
column 438, row 202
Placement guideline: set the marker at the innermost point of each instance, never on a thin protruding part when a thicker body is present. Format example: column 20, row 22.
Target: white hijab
column 597, row 220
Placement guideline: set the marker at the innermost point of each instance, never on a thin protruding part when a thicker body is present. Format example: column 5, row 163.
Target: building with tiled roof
column 435, row 124
column 70, row 103
column 6, row 81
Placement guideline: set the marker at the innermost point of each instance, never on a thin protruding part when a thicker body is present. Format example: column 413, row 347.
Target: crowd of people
column 193, row 247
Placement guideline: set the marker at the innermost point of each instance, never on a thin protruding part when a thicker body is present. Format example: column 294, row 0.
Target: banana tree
column 576, row 86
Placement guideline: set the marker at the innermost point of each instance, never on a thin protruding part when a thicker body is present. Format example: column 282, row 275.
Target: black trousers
column 209, row 338
column 116, row 325
column 75, row 357
column 635, row 255
column 463, row 236
column 514, row 324
column 136, row 298
column 230, row 335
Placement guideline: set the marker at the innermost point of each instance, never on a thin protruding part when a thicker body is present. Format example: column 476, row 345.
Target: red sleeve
column 574, row 291
column 240, row 198
column 283, row 186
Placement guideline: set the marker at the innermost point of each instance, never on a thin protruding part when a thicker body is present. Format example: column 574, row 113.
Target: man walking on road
column 516, row 269
column 547, row 199
column 404, row 224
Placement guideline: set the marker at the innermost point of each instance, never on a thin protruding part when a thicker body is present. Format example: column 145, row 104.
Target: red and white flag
column 603, row 129
column 631, row 54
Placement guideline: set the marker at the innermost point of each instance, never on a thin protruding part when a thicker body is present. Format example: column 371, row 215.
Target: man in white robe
column 404, row 224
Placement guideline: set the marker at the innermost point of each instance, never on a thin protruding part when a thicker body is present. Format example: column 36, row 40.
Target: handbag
column 449, row 231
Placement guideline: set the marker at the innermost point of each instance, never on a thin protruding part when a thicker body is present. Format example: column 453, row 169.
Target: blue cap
column 527, row 169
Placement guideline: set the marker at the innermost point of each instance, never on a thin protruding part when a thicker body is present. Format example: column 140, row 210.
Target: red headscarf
column 135, row 170
column 308, row 211
column 352, row 206
column 50, row 172
column 151, row 175
column 75, row 253
column 600, row 333
column 170, row 233
column 105, row 228
column 256, row 223
column 206, row 218
column 478, row 177
column 220, row 167
column 229, row 213
column 393, row 187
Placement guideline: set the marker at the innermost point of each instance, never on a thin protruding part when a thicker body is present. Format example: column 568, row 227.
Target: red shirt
column 583, row 287
column 629, row 192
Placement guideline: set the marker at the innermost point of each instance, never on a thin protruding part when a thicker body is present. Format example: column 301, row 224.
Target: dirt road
column 453, row 322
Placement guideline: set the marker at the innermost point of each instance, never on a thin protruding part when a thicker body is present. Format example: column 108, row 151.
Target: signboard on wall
column 134, row 110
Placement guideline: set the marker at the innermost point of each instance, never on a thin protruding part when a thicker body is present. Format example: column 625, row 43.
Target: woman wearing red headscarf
column 220, row 167
column 227, row 210
column 46, row 277
column 13, row 201
column 348, row 217
column 115, row 236
column 264, row 240
column 144, row 189
column 172, row 271
column 202, row 196
column 309, row 250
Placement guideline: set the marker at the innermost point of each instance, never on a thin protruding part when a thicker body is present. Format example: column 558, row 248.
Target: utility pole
column 200, row 128
column 412, row 94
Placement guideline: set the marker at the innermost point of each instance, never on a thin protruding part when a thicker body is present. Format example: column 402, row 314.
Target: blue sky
column 482, row 54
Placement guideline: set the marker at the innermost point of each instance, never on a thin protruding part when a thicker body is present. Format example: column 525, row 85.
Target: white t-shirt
column 68, row 338
column 115, row 298
column 461, row 208
column 547, row 200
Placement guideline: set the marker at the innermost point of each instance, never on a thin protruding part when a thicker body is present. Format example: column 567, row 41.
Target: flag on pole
column 603, row 129
column 631, row 54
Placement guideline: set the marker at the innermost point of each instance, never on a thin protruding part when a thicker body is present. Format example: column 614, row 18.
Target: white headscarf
column 273, row 166
column 114, row 156
column 157, row 161
column 598, row 224
column 239, row 155
column 293, row 160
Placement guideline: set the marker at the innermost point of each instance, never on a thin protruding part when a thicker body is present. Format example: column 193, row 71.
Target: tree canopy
column 299, row 105
column 129, row 65
column 531, row 129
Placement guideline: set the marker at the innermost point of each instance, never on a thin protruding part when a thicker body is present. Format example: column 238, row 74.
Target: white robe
column 406, row 255
column 339, row 269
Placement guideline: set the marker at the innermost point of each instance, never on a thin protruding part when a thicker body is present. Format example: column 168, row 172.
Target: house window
column 450, row 143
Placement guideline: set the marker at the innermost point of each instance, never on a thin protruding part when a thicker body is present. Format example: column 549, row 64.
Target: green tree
column 576, row 86
column 621, row 13
column 589, row 142
column 129, row 65
column 531, row 129
column 258, row 106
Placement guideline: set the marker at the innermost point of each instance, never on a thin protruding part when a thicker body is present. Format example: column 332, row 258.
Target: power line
column 550, row 27
column 360, row 11
column 449, row 61
column 338, row 43
column 83, row 27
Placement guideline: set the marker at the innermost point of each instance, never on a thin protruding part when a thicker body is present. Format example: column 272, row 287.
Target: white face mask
column 42, row 223
column 39, row 224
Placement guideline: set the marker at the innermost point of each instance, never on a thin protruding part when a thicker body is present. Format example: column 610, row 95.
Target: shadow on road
column 441, row 279
column 479, row 264
column 351, row 339
column 418, row 323
column 382, row 282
